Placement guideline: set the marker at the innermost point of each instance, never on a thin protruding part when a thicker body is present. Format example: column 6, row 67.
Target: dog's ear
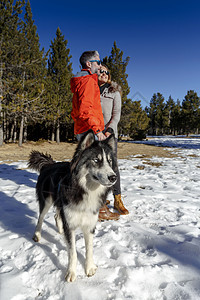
column 111, row 142
column 87, row 140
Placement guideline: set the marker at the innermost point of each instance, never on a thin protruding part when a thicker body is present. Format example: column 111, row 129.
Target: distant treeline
column 172, row 117
column 35, row 95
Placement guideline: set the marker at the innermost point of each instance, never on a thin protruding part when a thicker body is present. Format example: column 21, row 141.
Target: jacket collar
column 102, row 87
column 87, row 70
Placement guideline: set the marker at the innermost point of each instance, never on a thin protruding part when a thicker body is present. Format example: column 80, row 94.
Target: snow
column 151, row 254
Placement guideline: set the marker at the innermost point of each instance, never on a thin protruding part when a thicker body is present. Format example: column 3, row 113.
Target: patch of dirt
column 64, row 151
column 153, row 164
column 142, row 151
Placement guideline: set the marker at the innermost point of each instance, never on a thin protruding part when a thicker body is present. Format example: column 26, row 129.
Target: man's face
column 95, row 68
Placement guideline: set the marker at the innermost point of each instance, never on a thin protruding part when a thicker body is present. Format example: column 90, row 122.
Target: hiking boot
column 106, row 214
column 118, row 205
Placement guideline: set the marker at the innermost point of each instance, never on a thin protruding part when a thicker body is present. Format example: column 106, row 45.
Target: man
column 86, row 107
column 86, row 104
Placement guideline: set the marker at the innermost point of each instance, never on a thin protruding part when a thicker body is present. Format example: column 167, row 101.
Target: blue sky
column 162, row 39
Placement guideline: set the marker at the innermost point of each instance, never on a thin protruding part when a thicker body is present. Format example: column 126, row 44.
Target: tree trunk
column 53, row 131
column 1, row 99
column 58, row 132
column 15, row 131
column 25, row 130
column 11, row 133
column 21, row 131
column 7, row 129
column 52, row 135
column 157, row 130
column 1, row 134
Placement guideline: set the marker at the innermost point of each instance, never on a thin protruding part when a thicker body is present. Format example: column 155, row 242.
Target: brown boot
column 106, row 214
column 118, row 205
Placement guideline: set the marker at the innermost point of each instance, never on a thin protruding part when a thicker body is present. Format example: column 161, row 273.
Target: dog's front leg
column 72, row 261
column 90, row 267
column 58, row 220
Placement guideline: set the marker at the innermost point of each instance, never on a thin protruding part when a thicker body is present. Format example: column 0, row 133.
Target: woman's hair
column 109, row 75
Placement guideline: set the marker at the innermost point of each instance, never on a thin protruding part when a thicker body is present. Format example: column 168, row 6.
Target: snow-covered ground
column 151, row 254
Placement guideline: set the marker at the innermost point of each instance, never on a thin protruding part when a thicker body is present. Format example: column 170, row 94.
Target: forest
column 35, row 95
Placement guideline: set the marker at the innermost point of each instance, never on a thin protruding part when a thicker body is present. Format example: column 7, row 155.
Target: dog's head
column 95, row 160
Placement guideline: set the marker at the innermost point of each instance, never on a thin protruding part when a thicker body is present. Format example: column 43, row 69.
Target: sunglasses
column 97, row 61
column 106, row 72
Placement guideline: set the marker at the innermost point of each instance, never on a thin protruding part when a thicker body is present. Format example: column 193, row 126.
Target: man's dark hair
column 86, row 56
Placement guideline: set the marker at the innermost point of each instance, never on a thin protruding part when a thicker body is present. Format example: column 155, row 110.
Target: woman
column 111, row 107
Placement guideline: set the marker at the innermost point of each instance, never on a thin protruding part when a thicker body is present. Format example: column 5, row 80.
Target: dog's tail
column 38, row 160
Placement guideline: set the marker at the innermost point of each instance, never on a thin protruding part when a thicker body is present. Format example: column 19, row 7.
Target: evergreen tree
column 10, row 25
column 117, row 66
column 174, row 116
column 33, row 72
column 139, row 121
column 59, row 76
column 26, row 68
column 190, row 112
column 169, row 115
column 156, row 110
column 177, row 120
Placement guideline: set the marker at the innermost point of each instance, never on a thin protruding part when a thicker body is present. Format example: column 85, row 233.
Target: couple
column 97, row 105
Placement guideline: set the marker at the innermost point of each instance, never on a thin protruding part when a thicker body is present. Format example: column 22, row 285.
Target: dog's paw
column 90, row 270
column 36, row 237
column 70, row 276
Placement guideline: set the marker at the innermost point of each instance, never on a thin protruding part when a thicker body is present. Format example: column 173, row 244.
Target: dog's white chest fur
column 84, row 214
column 80, row 218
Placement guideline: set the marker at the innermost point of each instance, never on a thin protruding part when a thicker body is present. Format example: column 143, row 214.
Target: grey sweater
column 111, row 106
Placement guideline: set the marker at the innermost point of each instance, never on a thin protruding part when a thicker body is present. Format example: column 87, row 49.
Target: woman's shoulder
column 114, row 87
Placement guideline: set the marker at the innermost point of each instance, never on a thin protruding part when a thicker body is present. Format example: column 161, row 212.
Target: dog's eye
column 109, row 160
column 96, row 160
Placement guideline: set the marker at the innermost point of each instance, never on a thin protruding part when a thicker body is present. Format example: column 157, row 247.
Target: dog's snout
column 112, row 178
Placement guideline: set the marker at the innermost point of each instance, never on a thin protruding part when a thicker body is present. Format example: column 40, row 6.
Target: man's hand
column 101, row 136
column 107, row 134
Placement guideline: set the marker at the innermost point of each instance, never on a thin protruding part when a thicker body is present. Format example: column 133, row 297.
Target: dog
column 77, row 189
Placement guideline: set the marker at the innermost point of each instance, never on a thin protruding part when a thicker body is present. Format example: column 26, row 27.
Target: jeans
column 117, row 186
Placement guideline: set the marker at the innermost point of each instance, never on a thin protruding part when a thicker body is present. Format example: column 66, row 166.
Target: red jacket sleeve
column 90, row 106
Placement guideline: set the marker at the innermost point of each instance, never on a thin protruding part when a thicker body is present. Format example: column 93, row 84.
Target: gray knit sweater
column 111, row 106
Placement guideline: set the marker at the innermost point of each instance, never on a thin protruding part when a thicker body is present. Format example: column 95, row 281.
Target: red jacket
column 86, row 105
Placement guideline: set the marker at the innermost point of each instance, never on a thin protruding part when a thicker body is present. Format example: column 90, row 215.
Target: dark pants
column 117, row 185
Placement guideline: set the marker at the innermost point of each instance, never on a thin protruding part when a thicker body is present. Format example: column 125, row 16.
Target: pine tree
column 25, row 69
column 33, row 72
column 117, row 66
column 169, row 116
column 156, row 110
column 59, row 76
column 10, row 24
column 177, row 120
column 190, row 112
column 139, row 121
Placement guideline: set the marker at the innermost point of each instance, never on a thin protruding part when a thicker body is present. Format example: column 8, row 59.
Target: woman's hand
column 101, row 136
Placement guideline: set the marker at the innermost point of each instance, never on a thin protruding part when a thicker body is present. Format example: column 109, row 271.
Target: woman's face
column 103, row 77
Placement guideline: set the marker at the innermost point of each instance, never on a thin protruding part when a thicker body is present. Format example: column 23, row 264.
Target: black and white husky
column 77, row 189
